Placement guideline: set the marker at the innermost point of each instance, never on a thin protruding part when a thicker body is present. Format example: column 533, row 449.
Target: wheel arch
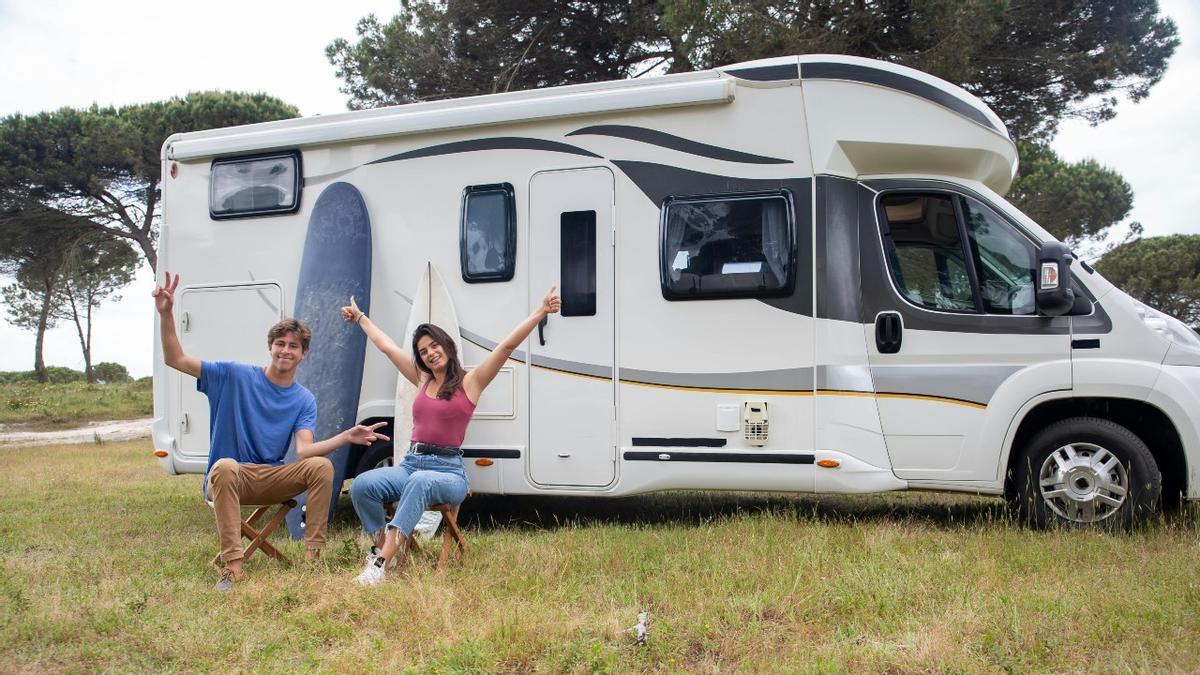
column 1144, row 420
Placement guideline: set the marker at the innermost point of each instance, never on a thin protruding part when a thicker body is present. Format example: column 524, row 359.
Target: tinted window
column 488, row 233
column 925, row 252
column 250, row 186
column 727, row 246
column 578, row 263
column 1005, row 260
column 993, row 271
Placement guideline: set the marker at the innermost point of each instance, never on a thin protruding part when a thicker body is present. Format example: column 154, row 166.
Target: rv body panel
column 646, row 390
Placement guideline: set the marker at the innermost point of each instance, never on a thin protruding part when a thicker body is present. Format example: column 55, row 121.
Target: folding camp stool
column 451, row 535
column 258, row 537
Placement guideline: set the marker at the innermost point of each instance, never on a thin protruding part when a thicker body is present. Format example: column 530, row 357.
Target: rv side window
column 488, row 233
column 727, row 246
column 993, row 272
column 241, row 187
column 577, row 262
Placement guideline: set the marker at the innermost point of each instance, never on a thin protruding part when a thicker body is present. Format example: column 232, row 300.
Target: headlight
column 1167, row 326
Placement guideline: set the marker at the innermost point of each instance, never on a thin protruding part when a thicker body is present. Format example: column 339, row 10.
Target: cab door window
column 951, row 253
column 1006, row 261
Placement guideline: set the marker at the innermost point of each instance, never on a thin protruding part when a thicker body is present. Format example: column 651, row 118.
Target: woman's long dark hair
column 454, row 369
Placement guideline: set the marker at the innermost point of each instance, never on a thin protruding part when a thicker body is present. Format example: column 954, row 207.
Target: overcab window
column 241, row 187
column 488, row 233
column 728, row 246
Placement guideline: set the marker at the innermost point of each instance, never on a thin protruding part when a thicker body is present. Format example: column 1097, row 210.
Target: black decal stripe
column 680, row 442
column 672, row 142
column 886, row 78
column 491, row 453
column 787, row 71
column 839, row 281
column 499, row 143
column 732, row 457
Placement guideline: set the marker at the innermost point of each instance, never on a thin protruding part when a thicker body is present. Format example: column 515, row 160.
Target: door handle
column 889, row 332
column 541, row 328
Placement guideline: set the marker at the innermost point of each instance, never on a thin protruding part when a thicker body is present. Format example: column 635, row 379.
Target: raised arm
column 482, row 375
column 395, row 353
column 173, row 355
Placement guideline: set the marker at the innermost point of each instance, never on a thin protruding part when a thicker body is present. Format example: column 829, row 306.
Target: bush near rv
column 900, row 582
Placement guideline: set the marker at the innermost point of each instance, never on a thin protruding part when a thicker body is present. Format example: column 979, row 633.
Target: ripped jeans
column 420, row 480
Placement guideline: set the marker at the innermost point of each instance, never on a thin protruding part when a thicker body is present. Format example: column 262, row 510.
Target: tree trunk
column 39, row 364
column 85, row 343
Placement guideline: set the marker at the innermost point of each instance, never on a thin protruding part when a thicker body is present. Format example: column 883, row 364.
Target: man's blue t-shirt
column 251, row 419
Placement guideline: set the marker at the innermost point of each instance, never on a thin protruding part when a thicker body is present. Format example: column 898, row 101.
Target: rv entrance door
column 219, row 323
column 572, row 395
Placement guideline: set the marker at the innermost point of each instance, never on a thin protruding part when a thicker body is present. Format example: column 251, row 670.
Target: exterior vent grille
column 755, row 423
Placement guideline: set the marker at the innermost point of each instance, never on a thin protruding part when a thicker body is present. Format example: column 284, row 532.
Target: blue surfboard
column 336, row 264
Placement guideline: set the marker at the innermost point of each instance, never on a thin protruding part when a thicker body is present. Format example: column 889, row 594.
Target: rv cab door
column 572, row 393
column 955, row 342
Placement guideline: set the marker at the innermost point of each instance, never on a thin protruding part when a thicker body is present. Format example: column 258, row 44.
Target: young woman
column 432, row 471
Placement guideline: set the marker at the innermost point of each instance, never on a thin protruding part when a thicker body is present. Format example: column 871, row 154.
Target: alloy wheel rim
column 1083, row 483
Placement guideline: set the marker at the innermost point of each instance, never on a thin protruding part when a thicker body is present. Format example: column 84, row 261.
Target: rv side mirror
column 1054, row 294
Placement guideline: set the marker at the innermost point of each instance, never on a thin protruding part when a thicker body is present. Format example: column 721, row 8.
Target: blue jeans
column 420, row 480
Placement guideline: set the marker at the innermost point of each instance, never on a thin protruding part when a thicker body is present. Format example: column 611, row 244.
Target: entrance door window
column 577, row 234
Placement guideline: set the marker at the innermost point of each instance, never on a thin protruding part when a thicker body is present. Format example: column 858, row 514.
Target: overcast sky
column 76, row 52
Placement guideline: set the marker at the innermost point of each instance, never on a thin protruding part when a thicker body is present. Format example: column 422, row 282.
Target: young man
column 254, row 412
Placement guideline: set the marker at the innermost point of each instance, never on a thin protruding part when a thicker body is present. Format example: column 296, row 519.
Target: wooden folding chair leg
column 450, row 534
column 258, row 537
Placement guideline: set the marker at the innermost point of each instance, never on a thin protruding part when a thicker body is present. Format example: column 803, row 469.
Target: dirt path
column 122, row 430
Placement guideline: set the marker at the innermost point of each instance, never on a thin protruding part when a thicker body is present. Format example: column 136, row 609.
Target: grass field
column 39, row 407
column 105, row 567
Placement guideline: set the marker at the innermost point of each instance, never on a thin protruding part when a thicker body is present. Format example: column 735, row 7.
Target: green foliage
column 1163, row 272
column 1033, row 62
column 1075, row 201
column 68, row 401
column 100, row 166
column 107, row 372
column 436, row 50
column 96, row 267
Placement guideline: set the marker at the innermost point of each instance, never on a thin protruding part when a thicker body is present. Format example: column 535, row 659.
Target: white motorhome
column 796, row 274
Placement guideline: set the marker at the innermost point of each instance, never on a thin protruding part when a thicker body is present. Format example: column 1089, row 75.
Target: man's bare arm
column 359, row 435
column 173, row 354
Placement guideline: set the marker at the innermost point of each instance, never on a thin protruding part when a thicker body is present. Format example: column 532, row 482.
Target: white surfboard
column 431, row 304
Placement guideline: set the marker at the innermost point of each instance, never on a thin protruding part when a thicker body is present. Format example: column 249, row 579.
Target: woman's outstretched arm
column 482, row 375
column 395, row 353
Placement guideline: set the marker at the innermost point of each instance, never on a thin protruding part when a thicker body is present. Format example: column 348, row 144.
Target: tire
column 1086, row 472
column 376, row 456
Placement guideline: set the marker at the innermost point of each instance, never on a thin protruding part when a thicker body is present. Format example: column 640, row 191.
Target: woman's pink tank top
column 440, row 422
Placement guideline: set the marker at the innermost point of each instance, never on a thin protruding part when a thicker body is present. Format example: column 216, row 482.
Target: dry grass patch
column 104, row 565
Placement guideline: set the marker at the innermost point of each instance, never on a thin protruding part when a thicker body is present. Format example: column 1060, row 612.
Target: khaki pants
column 231, row 484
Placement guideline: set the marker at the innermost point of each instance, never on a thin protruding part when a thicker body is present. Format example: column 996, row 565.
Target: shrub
column 61, row 375
column 108, row 372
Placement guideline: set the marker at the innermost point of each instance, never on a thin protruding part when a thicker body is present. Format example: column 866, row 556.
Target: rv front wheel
column 377, row 456
column 1086, row 472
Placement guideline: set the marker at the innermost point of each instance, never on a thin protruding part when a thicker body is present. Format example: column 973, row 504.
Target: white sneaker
column 374, row 553
column 372, row 574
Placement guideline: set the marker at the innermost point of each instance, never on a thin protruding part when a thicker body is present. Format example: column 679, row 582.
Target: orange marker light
column 829, row 463
column 160, row 453
column 483, row 461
